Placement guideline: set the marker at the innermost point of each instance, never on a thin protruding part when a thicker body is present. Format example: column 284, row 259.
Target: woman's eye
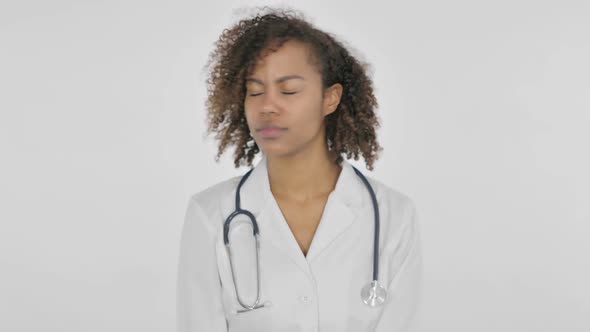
column 258, row 94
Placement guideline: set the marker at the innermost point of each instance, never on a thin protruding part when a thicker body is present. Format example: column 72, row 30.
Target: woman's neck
column 303, row 178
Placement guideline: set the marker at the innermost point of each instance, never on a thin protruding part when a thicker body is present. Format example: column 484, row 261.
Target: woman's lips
column 272, row 132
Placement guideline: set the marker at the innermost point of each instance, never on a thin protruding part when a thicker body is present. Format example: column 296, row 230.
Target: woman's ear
column 332, row 97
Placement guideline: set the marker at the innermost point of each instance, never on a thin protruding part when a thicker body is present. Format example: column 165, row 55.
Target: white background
column 485, row 116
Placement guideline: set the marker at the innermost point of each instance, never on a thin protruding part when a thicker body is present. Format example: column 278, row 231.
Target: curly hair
column 350, row 129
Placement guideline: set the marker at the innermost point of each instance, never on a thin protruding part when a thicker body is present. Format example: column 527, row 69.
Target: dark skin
column 301, row 169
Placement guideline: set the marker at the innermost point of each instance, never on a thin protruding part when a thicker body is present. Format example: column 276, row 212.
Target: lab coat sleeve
column 199, row 307
column 401, row 311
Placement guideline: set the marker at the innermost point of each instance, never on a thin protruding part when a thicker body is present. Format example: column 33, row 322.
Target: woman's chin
column 275, row 150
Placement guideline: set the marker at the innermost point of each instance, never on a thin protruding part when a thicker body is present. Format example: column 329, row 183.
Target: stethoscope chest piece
column 373, row 294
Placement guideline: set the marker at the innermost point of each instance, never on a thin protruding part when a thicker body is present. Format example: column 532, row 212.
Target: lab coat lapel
column 257, row 197
column 339, row 213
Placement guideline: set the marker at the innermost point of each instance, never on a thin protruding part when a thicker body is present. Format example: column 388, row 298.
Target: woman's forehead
column 294, row 57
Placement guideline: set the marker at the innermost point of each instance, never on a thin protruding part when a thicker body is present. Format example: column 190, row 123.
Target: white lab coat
column 319, row 292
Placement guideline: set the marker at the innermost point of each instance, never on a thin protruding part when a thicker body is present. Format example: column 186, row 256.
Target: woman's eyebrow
column 278, row 80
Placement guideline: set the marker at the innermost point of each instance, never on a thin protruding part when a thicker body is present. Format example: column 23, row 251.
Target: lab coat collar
column 341, row 211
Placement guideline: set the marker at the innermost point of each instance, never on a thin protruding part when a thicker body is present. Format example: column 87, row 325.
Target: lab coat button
column 304, row 298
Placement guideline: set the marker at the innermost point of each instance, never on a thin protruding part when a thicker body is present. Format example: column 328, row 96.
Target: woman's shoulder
column 397, row 210
column 390, row 195
column 209, row 198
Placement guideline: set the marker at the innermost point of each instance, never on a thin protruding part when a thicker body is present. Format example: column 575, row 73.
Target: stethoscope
column 373, row 294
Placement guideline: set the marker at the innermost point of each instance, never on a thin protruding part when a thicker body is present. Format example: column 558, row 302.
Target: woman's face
column 285, row 90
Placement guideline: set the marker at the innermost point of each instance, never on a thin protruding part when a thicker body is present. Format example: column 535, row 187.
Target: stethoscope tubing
column 255, row 231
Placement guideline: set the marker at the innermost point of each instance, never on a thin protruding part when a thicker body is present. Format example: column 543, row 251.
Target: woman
column 282, row 87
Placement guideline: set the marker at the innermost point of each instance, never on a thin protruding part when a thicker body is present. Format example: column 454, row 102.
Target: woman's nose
column 269, row 102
